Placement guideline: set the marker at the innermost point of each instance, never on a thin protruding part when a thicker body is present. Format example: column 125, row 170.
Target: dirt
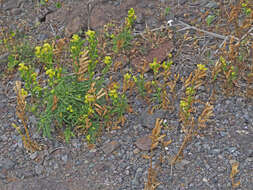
column 118, row 159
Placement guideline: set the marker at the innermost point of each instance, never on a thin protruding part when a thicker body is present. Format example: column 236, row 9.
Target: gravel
column 116, row 162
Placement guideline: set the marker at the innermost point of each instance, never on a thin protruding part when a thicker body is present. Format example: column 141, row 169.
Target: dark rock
column 144, row 143
column 6, row 163
column 74, row 25
column 110, row 147
column 148, row 120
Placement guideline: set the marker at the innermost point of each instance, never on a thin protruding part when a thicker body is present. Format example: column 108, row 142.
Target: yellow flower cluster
column 155, row 66
column 44, row 50
column 127, row 76
column 24, row 93
column 113, row 93
column 50, row 73
column 90, row 33
column 201, row 67
column 130, row 18
column 107, row 60
column 89, row 98
column 70, row 109
column 22, row 67
column 75, row 38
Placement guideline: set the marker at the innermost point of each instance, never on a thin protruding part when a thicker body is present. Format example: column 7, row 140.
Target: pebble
column 138, row 174
column 39, row 169
column 6, row 163
column 34, row 155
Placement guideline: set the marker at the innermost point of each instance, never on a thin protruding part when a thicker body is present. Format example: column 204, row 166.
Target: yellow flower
column 46, row 46
column 69, row 108
column 75, row 38
column 24, row 93
column 183, row 104
column 113, row 93
column 50, row 73
column 127, row 76
column 37, row 51
column 201, row 67
column 135, row 79
column 90, row 110
column 107, row 60
column 90, row 33
column 88, row 137
column 22, row 67
column 89, row 98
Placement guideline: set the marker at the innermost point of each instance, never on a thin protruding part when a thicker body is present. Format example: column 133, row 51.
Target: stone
column 39, row 169
column 144, row 143
column 110, row 147
column 11, row 4
column 3, row 61
column 74, row 25
column 6, row 163
column 148, row 120
column 34, row 155
column 181, row 164
column 160, row 53
column 212, row 5
column 138, row 174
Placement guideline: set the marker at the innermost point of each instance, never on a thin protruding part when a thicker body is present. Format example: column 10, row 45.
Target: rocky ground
column 117, row 161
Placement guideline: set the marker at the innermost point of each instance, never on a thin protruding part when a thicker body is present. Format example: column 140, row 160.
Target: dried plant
column 29, row 144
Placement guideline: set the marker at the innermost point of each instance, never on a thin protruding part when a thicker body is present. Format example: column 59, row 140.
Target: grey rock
column 181, row 164
column 110, row 147
column 16, row 11
column 3, row 60
column 138, row 174
column 2, row 176
column 148, row 120
column 11, row 4
column 34, row 155
column 39, row 169
column 140, row 18
column 42, row 37
column 212, row 5
column 64, row 158
column 6, row 163
column 216, row 151
column 74, row 25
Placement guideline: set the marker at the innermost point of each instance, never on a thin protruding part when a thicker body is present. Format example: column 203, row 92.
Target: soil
column 117, row 162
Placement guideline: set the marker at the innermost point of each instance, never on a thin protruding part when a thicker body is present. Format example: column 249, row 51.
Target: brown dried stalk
column 29, row 144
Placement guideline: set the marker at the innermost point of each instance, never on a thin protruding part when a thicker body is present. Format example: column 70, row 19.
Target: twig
column 188, row 27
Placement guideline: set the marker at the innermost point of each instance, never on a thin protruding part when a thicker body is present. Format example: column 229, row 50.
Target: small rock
column 148, row 120
column 73, row 26
column 64, row 158
column 16, row 11
column 205, row 180
column 110, row 147
column 137, row 176
column 140, row 18
column 136, row 151
column 3, row 60
column 181, row 164
column 6, row 163
column 212, row 5
column 42, row 37
column 39, row 169
column 34, row 155
column 144, row 143
column 11, row 4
